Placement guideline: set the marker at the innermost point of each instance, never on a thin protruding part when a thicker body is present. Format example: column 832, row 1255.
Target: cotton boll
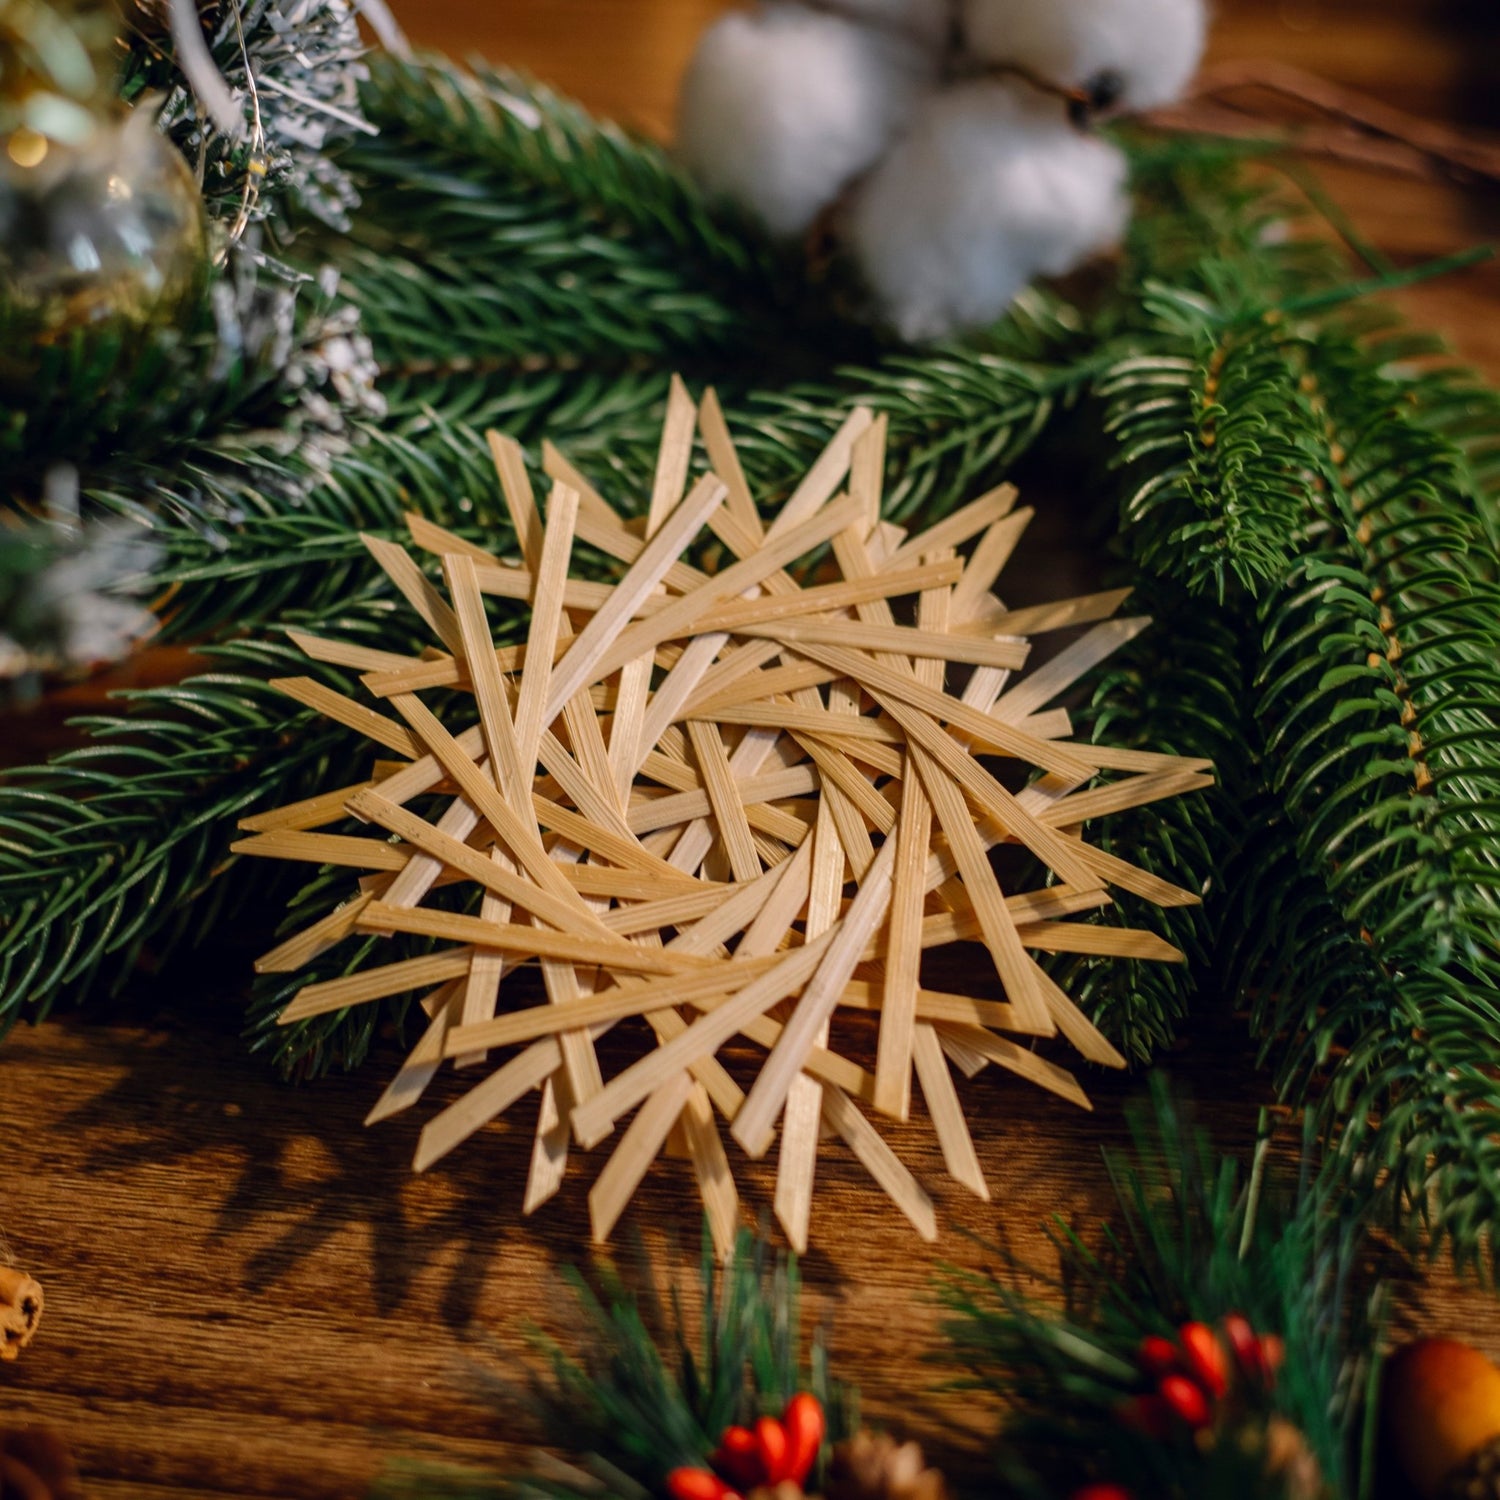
column 782, row 107
column 1137, row 54
column 924, row 20
column 990, row 188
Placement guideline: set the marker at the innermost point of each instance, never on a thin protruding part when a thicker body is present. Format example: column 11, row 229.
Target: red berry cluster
column 768, row 1454
column 1194, row 1374
column 1191, row 1378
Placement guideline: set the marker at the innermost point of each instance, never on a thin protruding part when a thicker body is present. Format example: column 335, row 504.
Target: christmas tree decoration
column 774, row 1457
column 105, row 235
column 1440, row 1407
column 1212, row 1345
column 64, row 590
column 752, row 791
column 21, row 1304
column 36, row 1464
column 257, row 95
column 100, row 220
column 658, row 1410
column 55, row 72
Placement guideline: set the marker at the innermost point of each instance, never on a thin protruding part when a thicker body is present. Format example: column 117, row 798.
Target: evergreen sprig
column 119, row 849
column 658, row 1383
column 1181, row 687
column 1195, row 1237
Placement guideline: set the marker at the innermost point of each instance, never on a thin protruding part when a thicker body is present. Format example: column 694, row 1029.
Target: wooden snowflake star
column 723, row 805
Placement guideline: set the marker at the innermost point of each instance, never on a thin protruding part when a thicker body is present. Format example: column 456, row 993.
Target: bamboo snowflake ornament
column 722, row 808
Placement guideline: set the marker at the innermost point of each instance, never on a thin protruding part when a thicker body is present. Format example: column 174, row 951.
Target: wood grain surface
column 250, row 1295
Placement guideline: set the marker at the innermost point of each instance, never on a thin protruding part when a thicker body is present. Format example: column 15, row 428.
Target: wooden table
column 250, row 1295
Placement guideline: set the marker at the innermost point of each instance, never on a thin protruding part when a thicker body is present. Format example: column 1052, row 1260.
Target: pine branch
column 1356, row 557
column 1380, row 699
column 503, row 225
column 657, row 1386
column 1182, row 687
column 1212, row 413
column 1195, row 1238
column 118, row 850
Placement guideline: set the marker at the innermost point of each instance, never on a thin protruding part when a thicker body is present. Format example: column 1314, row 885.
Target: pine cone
column 877, row 1467
column 35, row 1464
column 21, row 1303
column 1290, row 1460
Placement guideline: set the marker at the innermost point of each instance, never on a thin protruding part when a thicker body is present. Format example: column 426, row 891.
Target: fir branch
column 1182, row 687
column 1379, row 694
column 119, row 849
column 657, row 1386
column 1364, row 889
column 1211, row 416
column 501, row 222
column 1195, row 1238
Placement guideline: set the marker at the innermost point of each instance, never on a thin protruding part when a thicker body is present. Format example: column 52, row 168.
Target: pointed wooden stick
column 797, row 1163
column 756, row 1122
column 637, row 1149
column 323, row 849
column 424, row 1060
column 300, row 950
column 947, row 1113
column 903, row 960
column 375, row 984
column 959, row 527
column 485, row 1101
column 546, row 621
column 577, row 668
column 881, row 1162
column 549, row 1145
column 397, row 564
column 346, row 711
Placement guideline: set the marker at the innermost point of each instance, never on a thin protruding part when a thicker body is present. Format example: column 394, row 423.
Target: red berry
column 1246, row 1347
column 1185, row 1400
column 771, row 1447
column 804, row 1424
column 1158, row 1356
column 1147, row 1414
column 698, row 1484
column 1103, row 1492
column 739, row 1458
column 1272, row 1353
column 1205, row 1358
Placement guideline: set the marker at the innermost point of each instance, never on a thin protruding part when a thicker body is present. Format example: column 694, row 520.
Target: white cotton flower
column 784, row 106
column 927, row 21
column 1136, row 54
column 990, row 187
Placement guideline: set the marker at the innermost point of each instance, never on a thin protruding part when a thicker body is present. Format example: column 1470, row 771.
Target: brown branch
column 1376, row 133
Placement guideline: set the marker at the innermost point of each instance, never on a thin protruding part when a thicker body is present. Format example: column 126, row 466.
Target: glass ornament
column 107, row 235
